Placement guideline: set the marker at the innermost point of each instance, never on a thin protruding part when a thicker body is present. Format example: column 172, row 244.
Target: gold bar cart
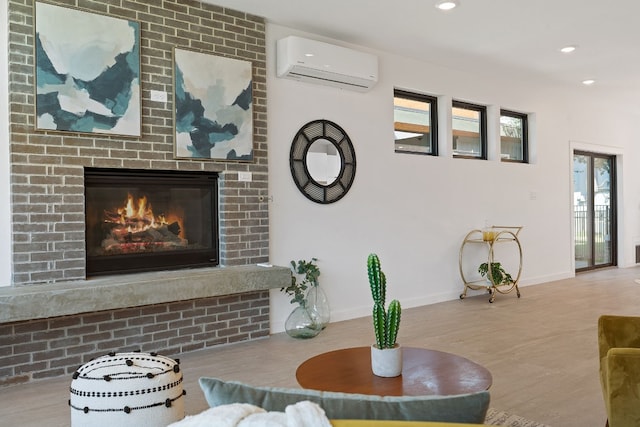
column 491, row 236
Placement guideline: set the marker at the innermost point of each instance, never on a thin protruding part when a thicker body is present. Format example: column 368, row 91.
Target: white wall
column 5, row 214
column 413, row 210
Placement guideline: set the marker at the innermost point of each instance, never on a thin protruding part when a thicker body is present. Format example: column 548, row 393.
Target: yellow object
column 619, row 346
column 488, row 236
column 378, row 423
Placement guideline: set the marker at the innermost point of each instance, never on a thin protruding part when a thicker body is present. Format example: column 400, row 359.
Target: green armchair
column 619, row 345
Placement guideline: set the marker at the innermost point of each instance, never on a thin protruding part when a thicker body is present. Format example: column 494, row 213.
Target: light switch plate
column 244, row 176
column 157, row 95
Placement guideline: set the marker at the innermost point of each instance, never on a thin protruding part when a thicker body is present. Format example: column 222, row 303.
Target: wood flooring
column 541, row 349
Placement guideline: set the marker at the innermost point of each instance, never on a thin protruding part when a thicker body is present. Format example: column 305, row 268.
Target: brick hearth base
column 43, row 348
column 208, row 308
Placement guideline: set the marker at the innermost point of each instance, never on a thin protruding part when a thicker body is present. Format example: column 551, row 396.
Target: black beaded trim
column 128, row 409
column 117, row 376
column 128, row 360
column 129, row 375
column 126, row 392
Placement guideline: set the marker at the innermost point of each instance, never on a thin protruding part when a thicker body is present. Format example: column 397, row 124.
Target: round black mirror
column 322, row 161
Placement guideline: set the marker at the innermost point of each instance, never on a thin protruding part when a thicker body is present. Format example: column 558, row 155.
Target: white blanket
column 302, row 414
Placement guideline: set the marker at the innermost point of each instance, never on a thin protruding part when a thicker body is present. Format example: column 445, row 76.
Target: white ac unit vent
column 323, row 63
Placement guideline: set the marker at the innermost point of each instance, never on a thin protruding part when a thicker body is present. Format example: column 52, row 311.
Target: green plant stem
column 309, row 272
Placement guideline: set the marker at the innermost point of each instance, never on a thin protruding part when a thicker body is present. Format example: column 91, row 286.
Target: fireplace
column 138, row 220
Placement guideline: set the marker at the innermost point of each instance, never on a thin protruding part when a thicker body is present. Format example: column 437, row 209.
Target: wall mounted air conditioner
column 317, row 62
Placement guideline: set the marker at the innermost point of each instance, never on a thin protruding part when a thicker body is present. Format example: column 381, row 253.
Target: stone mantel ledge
column 133, row 290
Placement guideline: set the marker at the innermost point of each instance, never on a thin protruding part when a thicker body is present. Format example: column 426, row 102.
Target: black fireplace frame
column 156, row 261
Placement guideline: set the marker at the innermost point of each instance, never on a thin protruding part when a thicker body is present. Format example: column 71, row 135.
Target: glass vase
column 303, row 322
column 317, row 300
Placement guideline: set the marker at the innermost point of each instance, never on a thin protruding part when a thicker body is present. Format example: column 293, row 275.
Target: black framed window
column 514, row 144
column 415, row 122
column 469, row 129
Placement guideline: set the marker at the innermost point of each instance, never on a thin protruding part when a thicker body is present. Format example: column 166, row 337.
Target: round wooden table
column 424, row 372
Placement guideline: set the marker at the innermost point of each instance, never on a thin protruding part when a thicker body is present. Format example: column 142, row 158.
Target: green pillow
column 461, row 408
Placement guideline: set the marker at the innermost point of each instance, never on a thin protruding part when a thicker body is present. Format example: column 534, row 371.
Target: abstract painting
column 213, row 107
column 87, row 72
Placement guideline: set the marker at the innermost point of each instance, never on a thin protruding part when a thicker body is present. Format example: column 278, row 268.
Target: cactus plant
column 385, row 323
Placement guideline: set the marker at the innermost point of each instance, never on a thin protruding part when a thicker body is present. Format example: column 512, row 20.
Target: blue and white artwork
column 87, row 72
column 213, row 107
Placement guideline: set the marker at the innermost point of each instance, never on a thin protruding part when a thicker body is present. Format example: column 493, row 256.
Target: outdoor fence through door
column 594, row 210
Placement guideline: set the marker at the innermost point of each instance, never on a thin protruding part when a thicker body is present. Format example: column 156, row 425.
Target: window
column 513, row 137
column 415, row 118
column 469, row 128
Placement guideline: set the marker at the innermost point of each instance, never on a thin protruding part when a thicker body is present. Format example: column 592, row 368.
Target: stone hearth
column 133, row 290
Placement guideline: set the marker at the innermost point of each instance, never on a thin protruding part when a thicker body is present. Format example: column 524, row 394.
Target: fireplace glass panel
column 144, row 221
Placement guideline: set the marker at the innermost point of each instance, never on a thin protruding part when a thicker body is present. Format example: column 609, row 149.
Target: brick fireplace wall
column 47, row 195
column 47, row 191
column 44, row 348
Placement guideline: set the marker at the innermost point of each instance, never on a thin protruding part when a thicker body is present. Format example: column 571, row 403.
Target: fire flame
column 138, row 216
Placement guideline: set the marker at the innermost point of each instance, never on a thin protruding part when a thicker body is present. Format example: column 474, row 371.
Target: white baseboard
column 277, row 325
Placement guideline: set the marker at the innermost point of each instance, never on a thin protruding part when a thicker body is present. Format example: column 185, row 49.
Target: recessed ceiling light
column 447, row 4
column 588, row 82
column 568, row 49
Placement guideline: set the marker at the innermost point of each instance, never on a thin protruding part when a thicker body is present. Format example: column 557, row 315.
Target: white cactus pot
column 386, row 362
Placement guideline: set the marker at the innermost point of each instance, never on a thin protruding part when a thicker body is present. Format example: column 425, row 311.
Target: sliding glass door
column 594, row 210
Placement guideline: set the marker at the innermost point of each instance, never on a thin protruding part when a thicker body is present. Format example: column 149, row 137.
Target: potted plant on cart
column 386, row 353
column 498, row 276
